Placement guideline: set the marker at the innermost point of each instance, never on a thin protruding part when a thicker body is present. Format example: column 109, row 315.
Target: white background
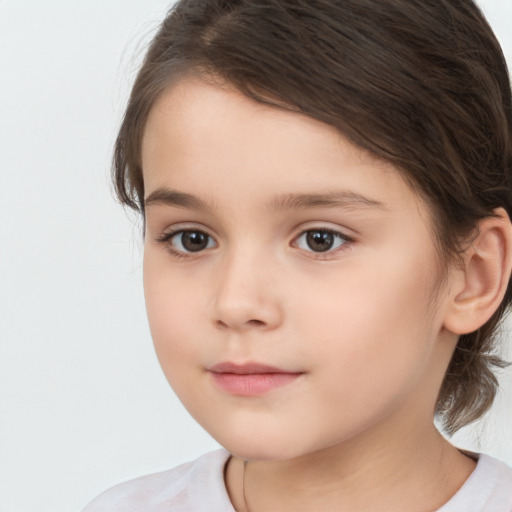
column 83, row 404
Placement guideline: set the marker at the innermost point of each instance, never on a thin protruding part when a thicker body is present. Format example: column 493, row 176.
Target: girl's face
column 290, row 278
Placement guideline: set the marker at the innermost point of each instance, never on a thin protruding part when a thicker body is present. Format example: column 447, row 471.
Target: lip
column 250, row 379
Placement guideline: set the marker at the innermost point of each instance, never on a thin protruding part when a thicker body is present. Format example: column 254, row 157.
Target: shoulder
column 194, row 486
column 488, row 489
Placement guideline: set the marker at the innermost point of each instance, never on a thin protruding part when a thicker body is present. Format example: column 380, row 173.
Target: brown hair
column 422, row 84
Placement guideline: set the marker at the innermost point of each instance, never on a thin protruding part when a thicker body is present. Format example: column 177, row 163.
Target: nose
column 246, row 295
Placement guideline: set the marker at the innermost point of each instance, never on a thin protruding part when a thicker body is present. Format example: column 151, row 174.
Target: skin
column 363, row 323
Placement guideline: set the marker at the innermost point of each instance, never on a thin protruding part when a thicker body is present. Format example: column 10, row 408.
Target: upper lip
column 246, row 368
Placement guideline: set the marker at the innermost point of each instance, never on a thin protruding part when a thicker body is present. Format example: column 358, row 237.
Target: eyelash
column 166, row 240
column 345, row 241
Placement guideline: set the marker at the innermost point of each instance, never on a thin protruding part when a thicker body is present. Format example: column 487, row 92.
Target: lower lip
column 253, row 384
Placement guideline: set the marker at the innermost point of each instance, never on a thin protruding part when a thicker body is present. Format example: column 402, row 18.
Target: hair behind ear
column 478, row 305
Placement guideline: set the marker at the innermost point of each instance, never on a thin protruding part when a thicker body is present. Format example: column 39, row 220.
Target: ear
column 478, row 288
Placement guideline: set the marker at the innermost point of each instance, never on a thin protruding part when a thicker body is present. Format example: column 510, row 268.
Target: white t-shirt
column 199, row 487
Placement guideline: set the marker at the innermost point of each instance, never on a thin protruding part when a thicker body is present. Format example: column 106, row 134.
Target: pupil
column 320, row 241
column 194, row 241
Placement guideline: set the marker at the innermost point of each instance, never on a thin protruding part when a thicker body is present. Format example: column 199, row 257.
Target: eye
column 320, row 240
column 189, row 241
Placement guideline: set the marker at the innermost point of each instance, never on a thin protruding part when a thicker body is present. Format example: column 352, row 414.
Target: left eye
column 320, row 240
column 191, row 241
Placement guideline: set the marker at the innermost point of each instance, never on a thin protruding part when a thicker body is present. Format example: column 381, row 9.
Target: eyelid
column 171, row 230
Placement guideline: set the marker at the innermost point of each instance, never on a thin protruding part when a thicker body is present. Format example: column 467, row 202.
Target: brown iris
column 320, row 241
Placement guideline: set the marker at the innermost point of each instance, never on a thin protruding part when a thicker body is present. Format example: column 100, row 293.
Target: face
column 289, row 277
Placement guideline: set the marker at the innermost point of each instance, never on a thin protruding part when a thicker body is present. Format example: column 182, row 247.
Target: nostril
column 249, row 323
column 256, row 323
column 221, row 324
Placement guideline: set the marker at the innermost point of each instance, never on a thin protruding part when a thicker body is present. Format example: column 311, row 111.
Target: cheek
column 368, row 295
column 371, row 325
column 173, row 307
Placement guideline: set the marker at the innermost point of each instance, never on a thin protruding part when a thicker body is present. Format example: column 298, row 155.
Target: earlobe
column 483, row 280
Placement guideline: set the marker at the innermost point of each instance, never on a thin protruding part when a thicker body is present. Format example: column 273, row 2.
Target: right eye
column 188, row 241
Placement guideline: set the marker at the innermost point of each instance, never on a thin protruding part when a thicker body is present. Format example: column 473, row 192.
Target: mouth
column 250, row 379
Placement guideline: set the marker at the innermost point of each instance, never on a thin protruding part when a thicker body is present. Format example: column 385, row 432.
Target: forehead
column 213, row 141
column 189, row 109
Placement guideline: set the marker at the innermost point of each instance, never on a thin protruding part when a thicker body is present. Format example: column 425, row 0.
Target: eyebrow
column 338, row 199
column 168, row 197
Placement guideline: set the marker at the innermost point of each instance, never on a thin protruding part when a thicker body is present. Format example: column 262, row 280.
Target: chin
column 261, row 453
column 263, row 446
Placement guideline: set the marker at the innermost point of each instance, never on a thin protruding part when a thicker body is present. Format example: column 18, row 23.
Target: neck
column 361, row 475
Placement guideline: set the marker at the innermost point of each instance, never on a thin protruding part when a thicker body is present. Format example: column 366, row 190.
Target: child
column 326, row 194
